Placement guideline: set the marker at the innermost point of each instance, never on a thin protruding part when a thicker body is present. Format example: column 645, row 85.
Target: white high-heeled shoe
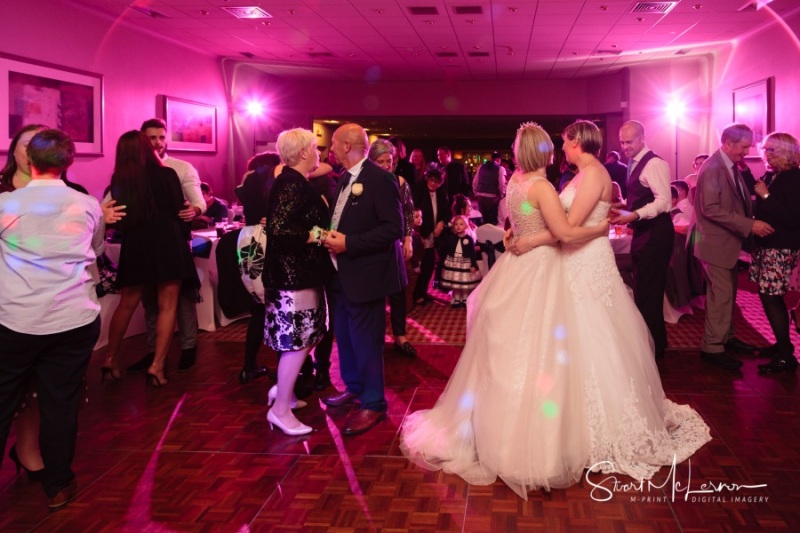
column 294, row 404
column 273, row 420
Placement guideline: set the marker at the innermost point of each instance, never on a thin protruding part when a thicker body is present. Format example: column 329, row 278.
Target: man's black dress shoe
column 187, row 360
column 778, row 365
column 63, row 497
column 721, row 360
column 405, row 349
column 362, row 421
column 246, row 376
column 340, row 398
column 735, row 345
column 142, row 364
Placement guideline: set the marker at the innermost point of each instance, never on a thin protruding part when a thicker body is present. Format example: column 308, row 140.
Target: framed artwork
column 754, row 105
column 191, row 126
column 33, row 92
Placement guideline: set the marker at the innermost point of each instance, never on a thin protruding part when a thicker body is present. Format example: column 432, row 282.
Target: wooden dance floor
column 197, row 455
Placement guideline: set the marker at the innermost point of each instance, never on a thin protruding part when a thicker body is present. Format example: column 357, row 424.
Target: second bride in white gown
column 557, row 374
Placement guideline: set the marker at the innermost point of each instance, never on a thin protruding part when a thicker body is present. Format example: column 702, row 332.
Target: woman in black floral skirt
column 777, row 255
column 296, row 270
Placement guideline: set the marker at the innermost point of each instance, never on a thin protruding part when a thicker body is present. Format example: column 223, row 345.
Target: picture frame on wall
column 191, row 126
column 35, row 92
column 754, row 106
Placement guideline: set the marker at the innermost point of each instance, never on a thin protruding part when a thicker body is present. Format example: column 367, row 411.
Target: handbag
column 107, row 276
column 252, row 245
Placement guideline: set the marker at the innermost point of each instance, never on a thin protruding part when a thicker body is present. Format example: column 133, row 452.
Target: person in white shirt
column 648, row 203
column 682, row 207
column 156, row 130
column 49, row 313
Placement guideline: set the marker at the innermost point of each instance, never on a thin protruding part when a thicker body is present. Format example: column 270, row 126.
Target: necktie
column 630, row 169
column 737, row 177
column 347, row 179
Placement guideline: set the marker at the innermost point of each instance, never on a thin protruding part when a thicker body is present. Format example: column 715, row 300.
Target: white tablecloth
column 206, row 310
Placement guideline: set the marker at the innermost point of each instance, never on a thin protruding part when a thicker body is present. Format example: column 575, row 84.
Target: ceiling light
column 252, row 12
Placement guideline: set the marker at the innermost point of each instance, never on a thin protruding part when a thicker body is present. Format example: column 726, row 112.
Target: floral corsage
column 356, row 190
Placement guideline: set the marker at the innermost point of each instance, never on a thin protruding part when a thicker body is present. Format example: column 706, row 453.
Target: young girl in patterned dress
column 460, row 268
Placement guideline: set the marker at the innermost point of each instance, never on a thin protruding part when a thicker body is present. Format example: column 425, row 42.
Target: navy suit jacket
column 373, row 266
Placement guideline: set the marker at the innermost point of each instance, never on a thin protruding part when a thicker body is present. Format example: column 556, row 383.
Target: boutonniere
column 465, row 241
column 356, row 190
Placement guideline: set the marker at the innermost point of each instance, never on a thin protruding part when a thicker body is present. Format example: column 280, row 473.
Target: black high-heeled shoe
column 33, row 475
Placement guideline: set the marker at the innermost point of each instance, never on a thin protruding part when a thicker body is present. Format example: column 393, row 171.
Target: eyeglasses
column 768, row 150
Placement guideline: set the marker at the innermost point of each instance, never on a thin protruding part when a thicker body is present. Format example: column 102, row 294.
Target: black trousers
column 397, row 312
column 60, row 361
column 651, row 250
column 426, row 273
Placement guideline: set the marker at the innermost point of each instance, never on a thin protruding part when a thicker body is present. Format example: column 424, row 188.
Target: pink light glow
column 675, row 109
column 255, row 108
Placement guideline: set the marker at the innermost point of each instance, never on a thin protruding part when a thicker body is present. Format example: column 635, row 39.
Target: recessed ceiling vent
column 248, row 55
column 683, row 52
column 421, row 10
column 253, row 12
column 446, row 54
column 653, row 7
column 152, row 13
column 478, row 54
column 319, row 54
column 468, row 10
column 607, row 52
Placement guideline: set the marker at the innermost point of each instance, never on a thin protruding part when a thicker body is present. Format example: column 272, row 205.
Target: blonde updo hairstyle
column 291, row 142
column 588, row 134
column 533, row 147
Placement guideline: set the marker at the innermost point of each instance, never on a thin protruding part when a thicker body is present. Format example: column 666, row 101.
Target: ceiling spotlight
column 603, row 8
column 378, row 11
column 429, row 22
column 292, row 11
column 513, row 9
column 697, row 6
column 470, row 22
column 204, row 12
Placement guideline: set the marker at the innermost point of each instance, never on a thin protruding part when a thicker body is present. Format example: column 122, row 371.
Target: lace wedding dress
column 556, row 376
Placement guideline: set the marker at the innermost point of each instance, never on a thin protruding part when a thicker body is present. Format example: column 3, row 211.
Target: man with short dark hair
column 456, row 180
column 156, row 131
column 217, row 210
column 724, row 220
column 618, row 171
column 49, row 313
column 489, row 185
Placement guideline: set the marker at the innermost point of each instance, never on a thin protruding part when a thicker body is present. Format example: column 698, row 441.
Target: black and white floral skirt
column 772, row 269
column 294, row 319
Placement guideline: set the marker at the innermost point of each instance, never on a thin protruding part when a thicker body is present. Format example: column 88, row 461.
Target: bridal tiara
column 527, row 125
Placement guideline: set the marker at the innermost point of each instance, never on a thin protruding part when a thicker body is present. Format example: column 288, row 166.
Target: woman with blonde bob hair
column 776, row 256
column 296, row 270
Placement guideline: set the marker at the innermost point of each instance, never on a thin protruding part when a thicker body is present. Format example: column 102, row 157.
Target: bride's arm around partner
column 542, row 196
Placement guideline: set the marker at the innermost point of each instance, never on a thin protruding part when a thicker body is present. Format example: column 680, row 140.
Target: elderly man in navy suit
column 365, row 244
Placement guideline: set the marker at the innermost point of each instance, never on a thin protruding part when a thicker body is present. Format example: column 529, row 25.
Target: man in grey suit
column 724, row 221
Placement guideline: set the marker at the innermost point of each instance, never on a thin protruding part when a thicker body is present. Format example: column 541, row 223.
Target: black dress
column 155, row 248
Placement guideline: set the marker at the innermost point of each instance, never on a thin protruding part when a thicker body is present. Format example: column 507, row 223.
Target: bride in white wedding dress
column 557, row 374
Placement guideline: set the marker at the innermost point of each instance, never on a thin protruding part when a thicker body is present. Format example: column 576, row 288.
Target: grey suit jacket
column 722, row 224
